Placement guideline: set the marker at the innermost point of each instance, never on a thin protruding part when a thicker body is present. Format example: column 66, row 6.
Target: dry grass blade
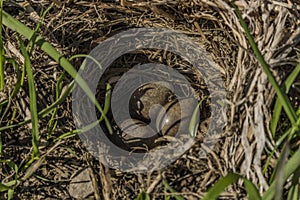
column 105, row 182
column 281, row 95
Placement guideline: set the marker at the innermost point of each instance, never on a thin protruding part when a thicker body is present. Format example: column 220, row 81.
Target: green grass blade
column 53, row 122
column 107, row 100
column 20, row 77
column 19, row 27
column 10, row 194
column 92, row 125
column 13, row 166
column 31, row 166
column 2, row 52
column 45, row 111
column 281, row 95
column 1, row 145
column 108, row 86
column 42, row 16
column 279, row 182
column 194, row 124
column 86, row 56
column 33, row 102
column 143, row 196
column 220, row 186
column 71, row 133
column 294, row 190
column 9, row 185
column 252, row 191
column 169, row 188
column 3, row 187
column 230, row 179
column 278, row 106
column 65, row 93
column 31, row 45
column 278, row 143
column 290, row 167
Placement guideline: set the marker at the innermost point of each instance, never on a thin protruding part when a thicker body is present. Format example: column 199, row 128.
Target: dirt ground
column 76, row 27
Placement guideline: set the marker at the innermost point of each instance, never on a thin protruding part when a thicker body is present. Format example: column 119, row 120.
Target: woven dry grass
column 78, row 26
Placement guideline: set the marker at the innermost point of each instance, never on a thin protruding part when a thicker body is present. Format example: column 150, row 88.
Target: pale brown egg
column 146, row 97
column 137, row 134
column 175, row 116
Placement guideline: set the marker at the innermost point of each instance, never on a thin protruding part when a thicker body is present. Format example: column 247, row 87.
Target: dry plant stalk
column 276, row 30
